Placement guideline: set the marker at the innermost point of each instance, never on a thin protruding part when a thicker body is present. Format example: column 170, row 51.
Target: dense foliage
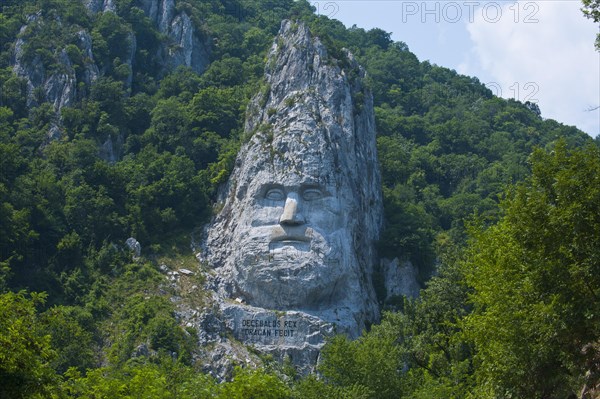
column 447, row 149
column 515, row 315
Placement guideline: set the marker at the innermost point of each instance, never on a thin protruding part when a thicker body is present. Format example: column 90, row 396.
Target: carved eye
column 312, row 194
column 275, row 194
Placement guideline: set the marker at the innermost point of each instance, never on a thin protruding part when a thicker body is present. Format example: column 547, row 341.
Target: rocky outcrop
column 185, row 46
column 96, row 6
column 111, row 150
column 134, row 246
column 130, row 57
column 57, row 86
column 90, row 72
column 293, row 246
column 400, row 278
column 187, row 49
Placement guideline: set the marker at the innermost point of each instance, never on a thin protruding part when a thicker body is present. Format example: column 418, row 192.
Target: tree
column 25, row 352
column 169, row 127
column 134, row 381
column 372, row 364
column 111, row 38
column 253, row 384
column 217, row 110
column 536, row 282
column 68, row 327
column 591, row 9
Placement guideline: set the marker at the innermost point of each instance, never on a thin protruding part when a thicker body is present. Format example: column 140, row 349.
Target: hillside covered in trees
column 498, row 204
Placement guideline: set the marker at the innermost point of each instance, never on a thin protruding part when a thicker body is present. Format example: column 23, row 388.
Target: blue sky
column 540, row 51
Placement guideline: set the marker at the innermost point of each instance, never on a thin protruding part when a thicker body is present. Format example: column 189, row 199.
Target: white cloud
column 552, row 60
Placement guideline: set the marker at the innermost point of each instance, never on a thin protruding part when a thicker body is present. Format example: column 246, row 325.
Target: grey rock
column 161, row 12
column 186, row 272
column 165, row 17
column 217, row 354
column 295, row 335
column 93, row 6
column 303, row 208
column 210, row 327
column 220, row 361
column 134, row 246
column 185, row 46
column 91, row 72
column 54, row 133
column 150, row 8
column 33, row 72
column 130, row 57
column 141, row 350
column 59, row 87
column 109, row 5
column 111, row 149
column 188, row 49
column 96, row 6
column 400, row 279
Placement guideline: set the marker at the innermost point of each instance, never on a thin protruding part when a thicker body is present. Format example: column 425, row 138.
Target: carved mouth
column 284, row 239
column 282, row 245
column 289, row 242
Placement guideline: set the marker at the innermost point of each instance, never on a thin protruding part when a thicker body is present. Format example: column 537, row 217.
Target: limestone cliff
column 60, row 84
column 400, row 280
column 96, row 6
column 184, row 45
column 294, row 241
column 57, row 86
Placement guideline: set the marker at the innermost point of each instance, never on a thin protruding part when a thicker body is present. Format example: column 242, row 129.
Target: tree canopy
column 142, row 149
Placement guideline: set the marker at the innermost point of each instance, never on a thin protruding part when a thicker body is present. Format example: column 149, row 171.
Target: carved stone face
column 294, row 243
column 302, row 208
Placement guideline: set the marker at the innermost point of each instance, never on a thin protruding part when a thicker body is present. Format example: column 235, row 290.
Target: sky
column 538, row 51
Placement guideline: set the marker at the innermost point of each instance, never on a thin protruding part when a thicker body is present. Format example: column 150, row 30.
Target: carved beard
column 294, row 274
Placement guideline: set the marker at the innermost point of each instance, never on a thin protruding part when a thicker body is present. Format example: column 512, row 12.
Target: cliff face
column 184, row 46
column 294, row 242
column 60, row 85
column 96, row 6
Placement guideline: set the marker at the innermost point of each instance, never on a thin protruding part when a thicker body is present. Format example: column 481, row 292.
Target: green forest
column 498, row 208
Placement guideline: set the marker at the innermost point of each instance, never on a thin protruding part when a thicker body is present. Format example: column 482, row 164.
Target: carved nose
column 291, row 215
